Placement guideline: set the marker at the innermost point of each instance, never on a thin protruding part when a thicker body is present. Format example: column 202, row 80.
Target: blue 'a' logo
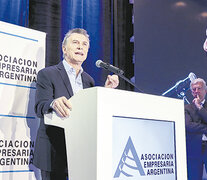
column 135, row 158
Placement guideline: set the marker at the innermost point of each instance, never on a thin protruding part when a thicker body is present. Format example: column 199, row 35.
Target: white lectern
column 118, row 135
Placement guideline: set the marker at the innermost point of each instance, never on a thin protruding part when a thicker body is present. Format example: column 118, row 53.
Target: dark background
column 169, row 37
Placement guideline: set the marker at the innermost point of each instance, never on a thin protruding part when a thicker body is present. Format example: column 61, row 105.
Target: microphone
column 180, row 86
column 109, row 67
column 115, row 70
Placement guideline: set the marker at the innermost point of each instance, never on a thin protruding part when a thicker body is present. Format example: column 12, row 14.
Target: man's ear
column 63, row 49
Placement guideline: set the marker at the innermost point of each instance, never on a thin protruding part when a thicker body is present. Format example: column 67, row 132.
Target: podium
column 119, row 135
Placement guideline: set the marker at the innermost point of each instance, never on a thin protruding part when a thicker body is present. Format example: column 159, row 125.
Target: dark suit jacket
column 196, row 126
column 52, row 82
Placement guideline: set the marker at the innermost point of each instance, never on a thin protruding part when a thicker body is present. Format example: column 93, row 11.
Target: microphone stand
column 126, row 79
column 116, row 71
column 183, row 96
column 175, row 90
column 181, row 87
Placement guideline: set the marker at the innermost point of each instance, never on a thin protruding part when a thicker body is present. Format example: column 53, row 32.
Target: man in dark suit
column 196, row 130
column 55, row 86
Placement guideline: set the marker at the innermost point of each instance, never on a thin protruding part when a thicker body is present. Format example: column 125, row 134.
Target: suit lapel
column 195, row 108
column 84, row 81
column 65, row 78
column 205, row 105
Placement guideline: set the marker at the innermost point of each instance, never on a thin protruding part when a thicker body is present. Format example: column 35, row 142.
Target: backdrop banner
column 22, row 55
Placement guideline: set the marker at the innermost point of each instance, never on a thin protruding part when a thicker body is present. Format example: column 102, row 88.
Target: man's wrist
column 51, row 104
column 199, row 106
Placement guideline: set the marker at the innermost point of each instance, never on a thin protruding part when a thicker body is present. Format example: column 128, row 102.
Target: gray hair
column 196, row 81
column 76, row 30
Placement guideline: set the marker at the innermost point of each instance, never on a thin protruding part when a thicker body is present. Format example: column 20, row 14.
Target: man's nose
column 80, row 46
column 196, row 90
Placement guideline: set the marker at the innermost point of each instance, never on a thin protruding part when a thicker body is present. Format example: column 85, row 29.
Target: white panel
column 22, row 55
column 92, row 133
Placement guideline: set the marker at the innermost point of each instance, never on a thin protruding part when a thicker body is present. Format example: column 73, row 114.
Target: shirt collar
column 69, row 68
column 203, row 102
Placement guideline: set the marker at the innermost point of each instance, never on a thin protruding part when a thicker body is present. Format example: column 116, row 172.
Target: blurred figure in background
column 196, row 130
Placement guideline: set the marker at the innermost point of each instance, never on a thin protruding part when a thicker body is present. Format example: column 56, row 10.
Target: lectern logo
column 129, row 147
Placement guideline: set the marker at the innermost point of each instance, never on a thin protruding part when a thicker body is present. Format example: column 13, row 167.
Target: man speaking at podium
column 55, row 85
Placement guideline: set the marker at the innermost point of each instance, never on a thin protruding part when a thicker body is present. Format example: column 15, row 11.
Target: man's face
column 76, row 48
column 198, row 90
column 205, row 43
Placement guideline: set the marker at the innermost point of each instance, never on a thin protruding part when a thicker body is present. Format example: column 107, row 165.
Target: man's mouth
column 79, row 53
